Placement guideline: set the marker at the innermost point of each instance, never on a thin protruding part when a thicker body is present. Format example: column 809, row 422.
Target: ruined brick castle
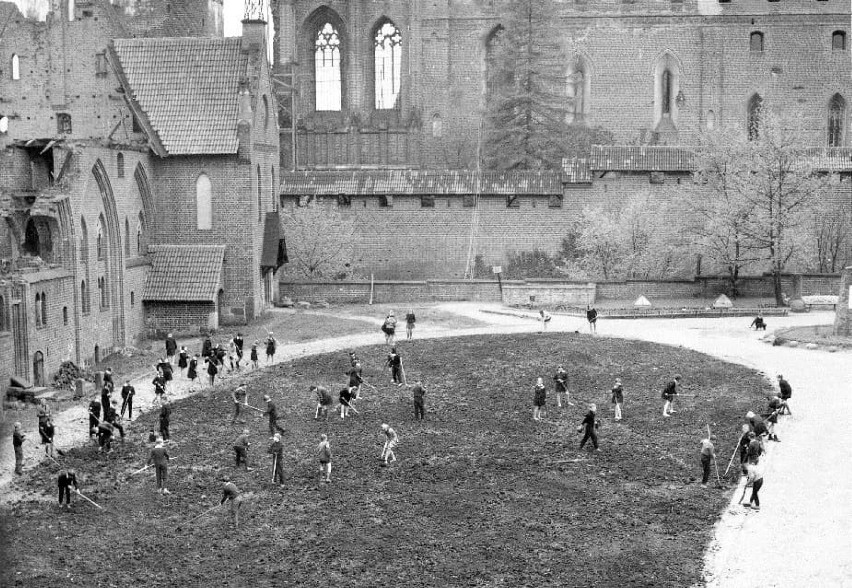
column 144, row 159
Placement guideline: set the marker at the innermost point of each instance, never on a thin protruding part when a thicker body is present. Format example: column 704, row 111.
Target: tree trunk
column 776, row 283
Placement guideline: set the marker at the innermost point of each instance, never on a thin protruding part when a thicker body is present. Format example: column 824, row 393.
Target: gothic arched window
column 43, row 308
column 577, row 93
column 99, row 239
column 387, row 52
column 119, row 165
column 836, row 120
column 666, row 88
column 204, row 203
column 327, row 71
column 37, row 309
column 84, row 241
column 16, row 67
column 126, row 237
column 755, row 105
column 259, row 195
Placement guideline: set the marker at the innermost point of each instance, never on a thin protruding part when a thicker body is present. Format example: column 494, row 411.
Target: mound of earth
column 481, row 495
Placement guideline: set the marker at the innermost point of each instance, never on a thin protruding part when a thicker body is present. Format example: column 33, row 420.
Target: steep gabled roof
column 184, row 273
column 186, row 90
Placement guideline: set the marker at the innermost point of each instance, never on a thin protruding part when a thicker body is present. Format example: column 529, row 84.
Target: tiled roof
column 437, row 182
column 649, row 158
column 187, row 88
column 184, row 273
column 576, row 171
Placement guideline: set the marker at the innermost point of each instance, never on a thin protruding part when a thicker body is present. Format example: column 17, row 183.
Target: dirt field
column 482, row 495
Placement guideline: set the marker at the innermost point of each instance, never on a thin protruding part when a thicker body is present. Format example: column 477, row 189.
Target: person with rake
column 618, row 398
column 708, row 454
column 324, row 401
column 231, row 495
column 754, row 480
column 66, row 479
column 241, row 447
column 669, row 393
column 345, row 398
column 394, row 362
column 240, row 398
column 391, row 441
column 324, row 454
column 276, row 450
column 160, row 458
column 272, row 412
column 355, row 379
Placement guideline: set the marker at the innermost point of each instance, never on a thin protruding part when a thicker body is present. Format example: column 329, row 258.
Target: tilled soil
column 481, row 495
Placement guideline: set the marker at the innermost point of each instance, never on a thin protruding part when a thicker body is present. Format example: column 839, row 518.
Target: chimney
column 254, row 25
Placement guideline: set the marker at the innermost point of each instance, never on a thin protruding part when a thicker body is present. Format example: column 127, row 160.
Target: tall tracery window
column 85, row 306
column 204, row 203
column 755, row 105
column 387, row 51
column 327, row 70
column 37, row 309
column 84, row 241
column 576, row 91
column 16, row 67
column 141, row 247
column 666, row 88
column 99, row 239
column 119, row 165
column 836, row 120
column 43, row 308
column 126, row 237
column 259, row 195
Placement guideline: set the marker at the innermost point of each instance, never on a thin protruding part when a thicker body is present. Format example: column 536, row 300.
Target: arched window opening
column 132, row 298
column 141, row 244
column 99, row 238
column 37, row 309
column 119, row 165
column 273, row 188
column 327, row 70
column 102, row 293
column 38, row 369
column 265, row 113
column 259, row 195
column 32, row 244
column 838, row 40
column 755, row 41
column 497, row 78
column 16, row 67
column 836, row 121
column 84, row 241
column 65, row 315
column 204, row 203
column 755, row 106
column 43, row 309
column 576, row 93
column 666, row 88
column 126, row 237
column 387, row 52
column 437, row 126
column 3, row 325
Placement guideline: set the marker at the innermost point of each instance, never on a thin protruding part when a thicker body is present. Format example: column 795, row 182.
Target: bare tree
column 320, row 242
column 831, row 235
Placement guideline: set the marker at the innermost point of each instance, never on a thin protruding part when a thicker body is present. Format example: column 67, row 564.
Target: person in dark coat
column 171, row 348
column 272, row 412
column 324, row 401
column 758, row 323
column 590, row 424
column 669, row 393
column 345, row 397
column 46, row 430
column 94, row 416
column 410, row 319
column 785, row 391
column 183, row 359
column 159, row 389
column 207, row 347
column 106, row 398
column 212, row 370
column 276, row 450
column 65, row 480
column 108, row 381
column 253, row 356
column 592, row 317
column 561, row 379
column 618, row 398
column 165, row 420
column 419, row 392
column 18, row 439
column 127, row 394
column 160, row 458
column 192, row 370
column 271, row 345
column 394, row 361
column 241, row 446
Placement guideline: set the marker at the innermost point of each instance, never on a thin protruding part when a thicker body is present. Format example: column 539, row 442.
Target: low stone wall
column 843, row 319
column 383, row 291
column 551, row 292
column 188, row 318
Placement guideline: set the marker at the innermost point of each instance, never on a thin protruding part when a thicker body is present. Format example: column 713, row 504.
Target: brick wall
column 384, row 291
column 573, row 294
column 179, row 317
column 621, row 44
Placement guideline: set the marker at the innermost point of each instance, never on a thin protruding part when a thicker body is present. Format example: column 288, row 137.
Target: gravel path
column 801, row 536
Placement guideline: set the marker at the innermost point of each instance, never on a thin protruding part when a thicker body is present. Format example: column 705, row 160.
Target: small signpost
column 497, row 270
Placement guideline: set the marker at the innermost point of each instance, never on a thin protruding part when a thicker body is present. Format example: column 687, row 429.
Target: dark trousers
column 105, row 440
column 120, row 428
column 419, row 412
column 93, row 424
column 278, row 475
column 590, row 434
column 396, row 372
column 705, row 466
column 127, row 404
column 164, row 430
column 755, row 488
column 273, row 426
column 19, row 459
column 65, row 492
column 236, row 412
column 162, row 475
column 241, row 455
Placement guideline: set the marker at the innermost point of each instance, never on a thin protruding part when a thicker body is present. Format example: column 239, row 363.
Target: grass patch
column 819, row 334
column 482, row 495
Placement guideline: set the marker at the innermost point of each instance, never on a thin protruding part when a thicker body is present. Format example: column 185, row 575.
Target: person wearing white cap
column 539, row 399
column 618, row 398
column 324, row 454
